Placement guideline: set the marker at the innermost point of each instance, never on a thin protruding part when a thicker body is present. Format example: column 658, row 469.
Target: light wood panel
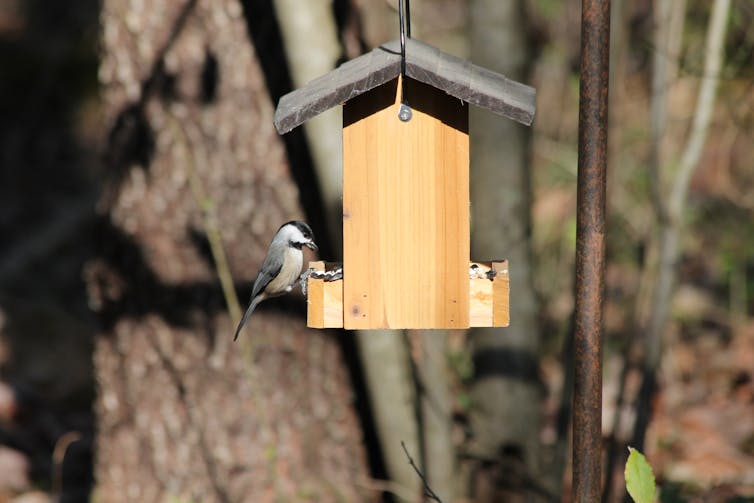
column 501, row 295
column 480, row 299
column 489, row 299
column 405, row 210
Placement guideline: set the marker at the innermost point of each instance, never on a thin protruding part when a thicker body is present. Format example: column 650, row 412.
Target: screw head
column 404, row 114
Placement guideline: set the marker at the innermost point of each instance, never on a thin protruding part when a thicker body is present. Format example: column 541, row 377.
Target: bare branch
column 428, row 492
column 211, row 229
column 670, row 227
column 713, row 59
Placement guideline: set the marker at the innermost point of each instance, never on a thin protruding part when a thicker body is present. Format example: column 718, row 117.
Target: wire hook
column 404, row 19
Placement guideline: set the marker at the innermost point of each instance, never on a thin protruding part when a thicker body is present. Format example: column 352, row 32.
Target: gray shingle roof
column 457, row 77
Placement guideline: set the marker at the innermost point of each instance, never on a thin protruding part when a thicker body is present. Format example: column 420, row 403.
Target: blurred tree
column 48, row 99
column 183, row 412
column 669, row 191
column 311, row 45
column 506, row 392
column 674, row 156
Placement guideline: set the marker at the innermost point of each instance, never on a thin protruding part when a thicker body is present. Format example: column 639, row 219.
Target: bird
column 282, row 265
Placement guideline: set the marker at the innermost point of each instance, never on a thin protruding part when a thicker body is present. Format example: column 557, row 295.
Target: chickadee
column 282, row 265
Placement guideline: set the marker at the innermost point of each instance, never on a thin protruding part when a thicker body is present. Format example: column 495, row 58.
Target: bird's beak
column 311, row 245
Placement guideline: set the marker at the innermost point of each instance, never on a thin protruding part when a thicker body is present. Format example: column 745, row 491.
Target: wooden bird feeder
column 406, row 236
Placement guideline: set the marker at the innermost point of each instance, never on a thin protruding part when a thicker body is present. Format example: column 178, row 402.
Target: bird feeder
column 406, row 236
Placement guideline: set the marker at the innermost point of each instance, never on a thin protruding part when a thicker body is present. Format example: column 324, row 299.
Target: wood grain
column 501, row 295
column 315, row 298
column 405, row 210
column 480, row 302
column 489, row 299
column 324, row 300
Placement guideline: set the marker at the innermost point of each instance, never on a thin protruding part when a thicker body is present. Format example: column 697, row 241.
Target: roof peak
column 424, row 63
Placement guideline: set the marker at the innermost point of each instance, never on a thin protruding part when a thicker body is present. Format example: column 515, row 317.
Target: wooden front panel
column 405, row 210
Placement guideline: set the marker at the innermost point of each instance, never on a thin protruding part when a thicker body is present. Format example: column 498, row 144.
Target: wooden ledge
column 489, row 300
column 489, row 297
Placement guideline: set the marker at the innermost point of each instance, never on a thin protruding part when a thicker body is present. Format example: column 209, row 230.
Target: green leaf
column 640, row 481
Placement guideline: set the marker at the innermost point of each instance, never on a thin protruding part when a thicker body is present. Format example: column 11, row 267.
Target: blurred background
column 141, row 180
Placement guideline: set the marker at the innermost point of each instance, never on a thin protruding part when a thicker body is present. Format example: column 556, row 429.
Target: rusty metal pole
column 590, row 251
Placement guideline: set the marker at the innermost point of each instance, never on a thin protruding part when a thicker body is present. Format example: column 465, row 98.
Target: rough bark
column 183, row 413
column 506, row 392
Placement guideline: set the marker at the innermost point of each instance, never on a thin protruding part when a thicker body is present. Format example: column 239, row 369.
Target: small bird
column 282, row 265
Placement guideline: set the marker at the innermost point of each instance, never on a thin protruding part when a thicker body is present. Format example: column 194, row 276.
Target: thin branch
column 428, row 492
column 667, row 37
column 675, row 27
column 58, row 456
column 670, row 228
column 713, row 59
column 387, row 486
column 658, row 112
column 214, row 236
column 211, row 229
column 434, row 410
column 563, row 419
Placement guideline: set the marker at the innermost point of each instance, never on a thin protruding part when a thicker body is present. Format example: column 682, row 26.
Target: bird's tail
column 249, row 310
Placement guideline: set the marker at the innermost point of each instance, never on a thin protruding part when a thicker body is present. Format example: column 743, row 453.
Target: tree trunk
column 440, row 464
column 183, row 412
column 392, row 395
column 506, row 392
column 311, row 47
column 443, row 26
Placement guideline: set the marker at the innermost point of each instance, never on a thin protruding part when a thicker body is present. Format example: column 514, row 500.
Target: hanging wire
column 404, row 20
column 402, row 30
column 408, row 19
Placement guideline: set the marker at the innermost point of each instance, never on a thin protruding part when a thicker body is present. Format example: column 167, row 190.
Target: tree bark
column 183, row 412
column 506, row 392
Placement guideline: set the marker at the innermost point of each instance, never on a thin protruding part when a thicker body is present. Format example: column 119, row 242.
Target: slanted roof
column 427, row 64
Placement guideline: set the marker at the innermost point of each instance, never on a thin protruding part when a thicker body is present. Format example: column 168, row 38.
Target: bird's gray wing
column 271, row 266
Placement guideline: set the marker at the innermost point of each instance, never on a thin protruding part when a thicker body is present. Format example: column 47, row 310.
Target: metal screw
column 405, row 113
